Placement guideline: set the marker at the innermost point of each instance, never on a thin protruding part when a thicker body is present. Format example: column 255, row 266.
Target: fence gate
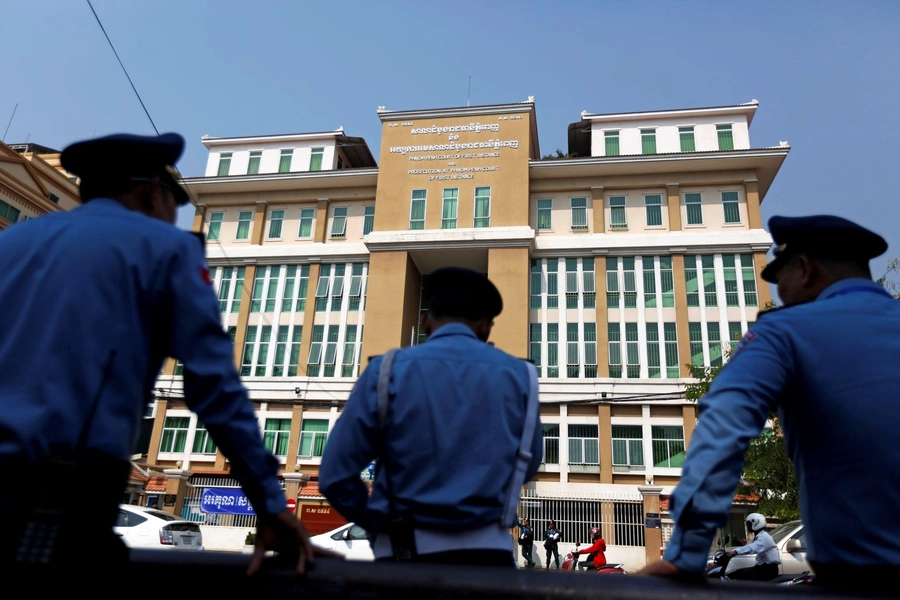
column 191, row 508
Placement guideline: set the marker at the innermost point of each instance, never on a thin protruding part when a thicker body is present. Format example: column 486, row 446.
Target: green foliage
column 888, row 279
column 250, row 540
column 559, row 155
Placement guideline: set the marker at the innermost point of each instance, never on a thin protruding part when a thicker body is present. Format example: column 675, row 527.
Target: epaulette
column 776, row 309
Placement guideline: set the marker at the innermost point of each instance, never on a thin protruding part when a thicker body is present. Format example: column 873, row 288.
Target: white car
column 348, row 540
column 144, row 527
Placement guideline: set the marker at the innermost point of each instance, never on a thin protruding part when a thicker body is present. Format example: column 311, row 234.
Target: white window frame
column 624, row 207
column 336, row 219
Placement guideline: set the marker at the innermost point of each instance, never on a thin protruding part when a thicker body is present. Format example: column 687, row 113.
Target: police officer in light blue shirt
column 449, row 449
column 96, row 299
column 829, row 364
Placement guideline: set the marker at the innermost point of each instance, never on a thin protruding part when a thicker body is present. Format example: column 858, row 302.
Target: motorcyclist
column 596, row 551
column 767, row 555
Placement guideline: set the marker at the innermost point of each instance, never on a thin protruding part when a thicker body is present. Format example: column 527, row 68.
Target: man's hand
column 285, row 534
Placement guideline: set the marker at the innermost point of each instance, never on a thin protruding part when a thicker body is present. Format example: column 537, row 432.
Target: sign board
column 653, row 524
column 169, row 499
column 225, row 501
column 652, row 515
column 292, row 504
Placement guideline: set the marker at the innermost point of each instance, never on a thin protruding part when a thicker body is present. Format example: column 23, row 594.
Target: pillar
column 259, row 222
column 681, row 315
column 293, row 480
column 392, row 302
column 199, row 216
column 156, row 435
column 606, row 469
column 321, row 220
column 597, row 207
column 508, row 269
column 673, row 198
column 751, row 191
column 240, row 333
column 176, row 484
column 652, row 527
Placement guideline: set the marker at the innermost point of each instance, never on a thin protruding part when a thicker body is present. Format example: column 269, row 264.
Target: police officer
column 829, row 363
column 450, row 459
column 96, row 299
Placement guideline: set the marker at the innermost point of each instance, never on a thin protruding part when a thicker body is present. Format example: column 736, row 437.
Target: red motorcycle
column 570, row 563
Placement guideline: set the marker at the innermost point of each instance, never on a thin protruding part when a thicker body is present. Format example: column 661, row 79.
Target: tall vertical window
column 224, row 164
column 735, row 333
column 686, row 137
column 237, row 290
column 417, row 210
column 649, row 282
column 627, row 448
column 690, row 279
column 264, row 294
column 632, row 351
column 287, row 346
column 276, row 219
column 612, row 282
column 322, row 287
column 579, row 213
column 552, row 350
column 174, row 434
column 696, row 340
column 203, row 443
column 215, row 226
column 253, row 164
column 731, row 285
column 306, row 222
column 630, row 282
column 449, row 210
column 732, row 207
column 571, row 283
column 668, row 445
column 249, row 346
column 545, row 214
column 331, row 351
column 589, row 289
column 673, row 368
column 648, row 141
column 551, row 443
column 482, row 207
column 726, row 139
column 290, row 283
column 552, row 283
column 536, row 280
column 614, row 337
column 653, row 356
column 313, row 436
column 314, row 361
column 693, row 204
column 653, row 206
column 284, row 164
column 337, row 287
column 315, row 159
column 369, row 222
column 590, row 350
column 357, row 287
column 534, row 345
column 339, row 222
column 667, row 281
column 276, row 434
column 709, row 280
column 265, row 337
column 11, row 214
column 617, row 212
column 715, row 344
column 572, row 362
column 243, row 228
column 749, row 278
column 611, row 139
column 584, row 445
column 349, row 358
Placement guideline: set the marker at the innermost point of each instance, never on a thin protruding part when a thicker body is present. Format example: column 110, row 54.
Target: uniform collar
column 104, row 204
column 844, row 285
column 453, row 329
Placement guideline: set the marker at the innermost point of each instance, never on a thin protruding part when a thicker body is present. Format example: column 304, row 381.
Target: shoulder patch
column 204, row 275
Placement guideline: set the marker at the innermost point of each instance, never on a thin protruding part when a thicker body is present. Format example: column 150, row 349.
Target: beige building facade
column 32, row 183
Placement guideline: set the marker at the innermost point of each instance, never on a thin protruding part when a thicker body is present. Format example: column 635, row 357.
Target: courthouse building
column 619, row 268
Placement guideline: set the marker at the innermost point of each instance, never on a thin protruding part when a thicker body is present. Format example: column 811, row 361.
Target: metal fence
column 619, row 516
column 190, row 509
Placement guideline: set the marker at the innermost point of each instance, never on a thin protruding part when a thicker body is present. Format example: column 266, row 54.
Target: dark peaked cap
column 459, row 292
column 124, row 156
column 822, row 236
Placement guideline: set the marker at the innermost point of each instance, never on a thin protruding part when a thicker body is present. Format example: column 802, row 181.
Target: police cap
column 821, row 236
column 464, row 293
column 110, row 161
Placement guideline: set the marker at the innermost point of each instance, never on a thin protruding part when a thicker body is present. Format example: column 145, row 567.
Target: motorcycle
column 718, row 564
column 570, row 563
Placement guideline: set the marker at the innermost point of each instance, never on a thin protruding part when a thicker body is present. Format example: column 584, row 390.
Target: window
column 693, row 204
column 735, row 333
column 244, row 220
column 52, row 198
column 337, row 287
column 571, row 283
column 545, row 214
column 584, row 445
column 417, row 210
column 349, row 358
column 614, row 336
column 653, row 206
column 617, row 212
column 667, row 281
column 612, row 282
column 552, row 291
column 630, row 282
column 315, row 159
column 534, row 345
column 306, row 222
column 686, row 137
column 253, row 165
column 203, row 442
column 224, row 164
column 670, row 331
column 690, row 278
column 283, row 350
column 322, row 287
column 331, row 351
column 551, row 444
column 215, row 225
column 732, row 207
column 249, row 346
column 482, row 207
column 611, row 138
column 579, row 214
column 315, row 351
column 230, row 284
column 275, row 221
column 649, row 282
column 572, row 362
column 552, row 350
column 284, row 165
column 313, row 435
column 632, row 351
column 696, row 337
column 174, row 434
column 302, row 288
column 731, row 286
column 590, row 350
column 668, row 445
column 707, row 263
column 726, row 140
column 627, row 448
column 536, row 280
column 653, row 362
column 357, row 287
column 369, row 222
column 448, row 214
column 264, row 339
column 276, row 435
column 11, row 214
column 589, row 290
column 339, row 222
column 648, row 141
column 748, row 274
column 264, row 292
column 713, row 334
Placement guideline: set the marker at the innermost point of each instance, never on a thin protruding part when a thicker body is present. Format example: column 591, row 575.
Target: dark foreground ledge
column 174, row 575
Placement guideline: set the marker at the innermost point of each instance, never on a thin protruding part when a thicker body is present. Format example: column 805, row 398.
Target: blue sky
column 826, row 74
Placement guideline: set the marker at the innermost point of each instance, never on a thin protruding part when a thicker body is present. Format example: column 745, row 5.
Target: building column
column 763, row 291
column 597, row 207
column 169, row 366
column 293, row 480
column 309, row 318
column 673, row 200
column 509, row 270
column 176, row 484
column 681, row 314
column 199, row 216
column 605, row 441
column 392, row 303
column 240, row 332
column 321, row 220
column 156, row 435
column 602, row 316
column 689, row 414
column 652, row 526
column 751, row 191
column 259, row 222
column 294, row 439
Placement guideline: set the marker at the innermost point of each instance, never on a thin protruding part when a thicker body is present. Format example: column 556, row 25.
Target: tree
column 891, row 284
column 559, row 155
column 768, row 470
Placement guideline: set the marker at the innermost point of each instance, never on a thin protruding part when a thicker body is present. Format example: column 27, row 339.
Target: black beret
column 459, row 292
column 823, row 236
column 125, row 156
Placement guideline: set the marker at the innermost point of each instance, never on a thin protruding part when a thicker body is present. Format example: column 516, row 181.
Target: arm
column 755, row 547
column 352, row 445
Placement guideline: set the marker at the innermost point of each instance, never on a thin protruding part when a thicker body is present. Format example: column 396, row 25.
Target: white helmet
column 756, row 522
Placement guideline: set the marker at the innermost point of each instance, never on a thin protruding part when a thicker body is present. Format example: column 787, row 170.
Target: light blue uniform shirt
column 763, row 546
column 455, row 424
column 95, row 299
column 832, row 370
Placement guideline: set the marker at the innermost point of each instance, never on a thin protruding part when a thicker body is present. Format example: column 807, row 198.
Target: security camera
column 296, row 390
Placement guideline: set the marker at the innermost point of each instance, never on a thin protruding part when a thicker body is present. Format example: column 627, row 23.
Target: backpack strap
column 384, row 380
column 523, row 457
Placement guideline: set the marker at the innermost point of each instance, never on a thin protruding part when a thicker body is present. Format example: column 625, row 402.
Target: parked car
column 144, row 527
column 791, row 541
column 348, row 540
